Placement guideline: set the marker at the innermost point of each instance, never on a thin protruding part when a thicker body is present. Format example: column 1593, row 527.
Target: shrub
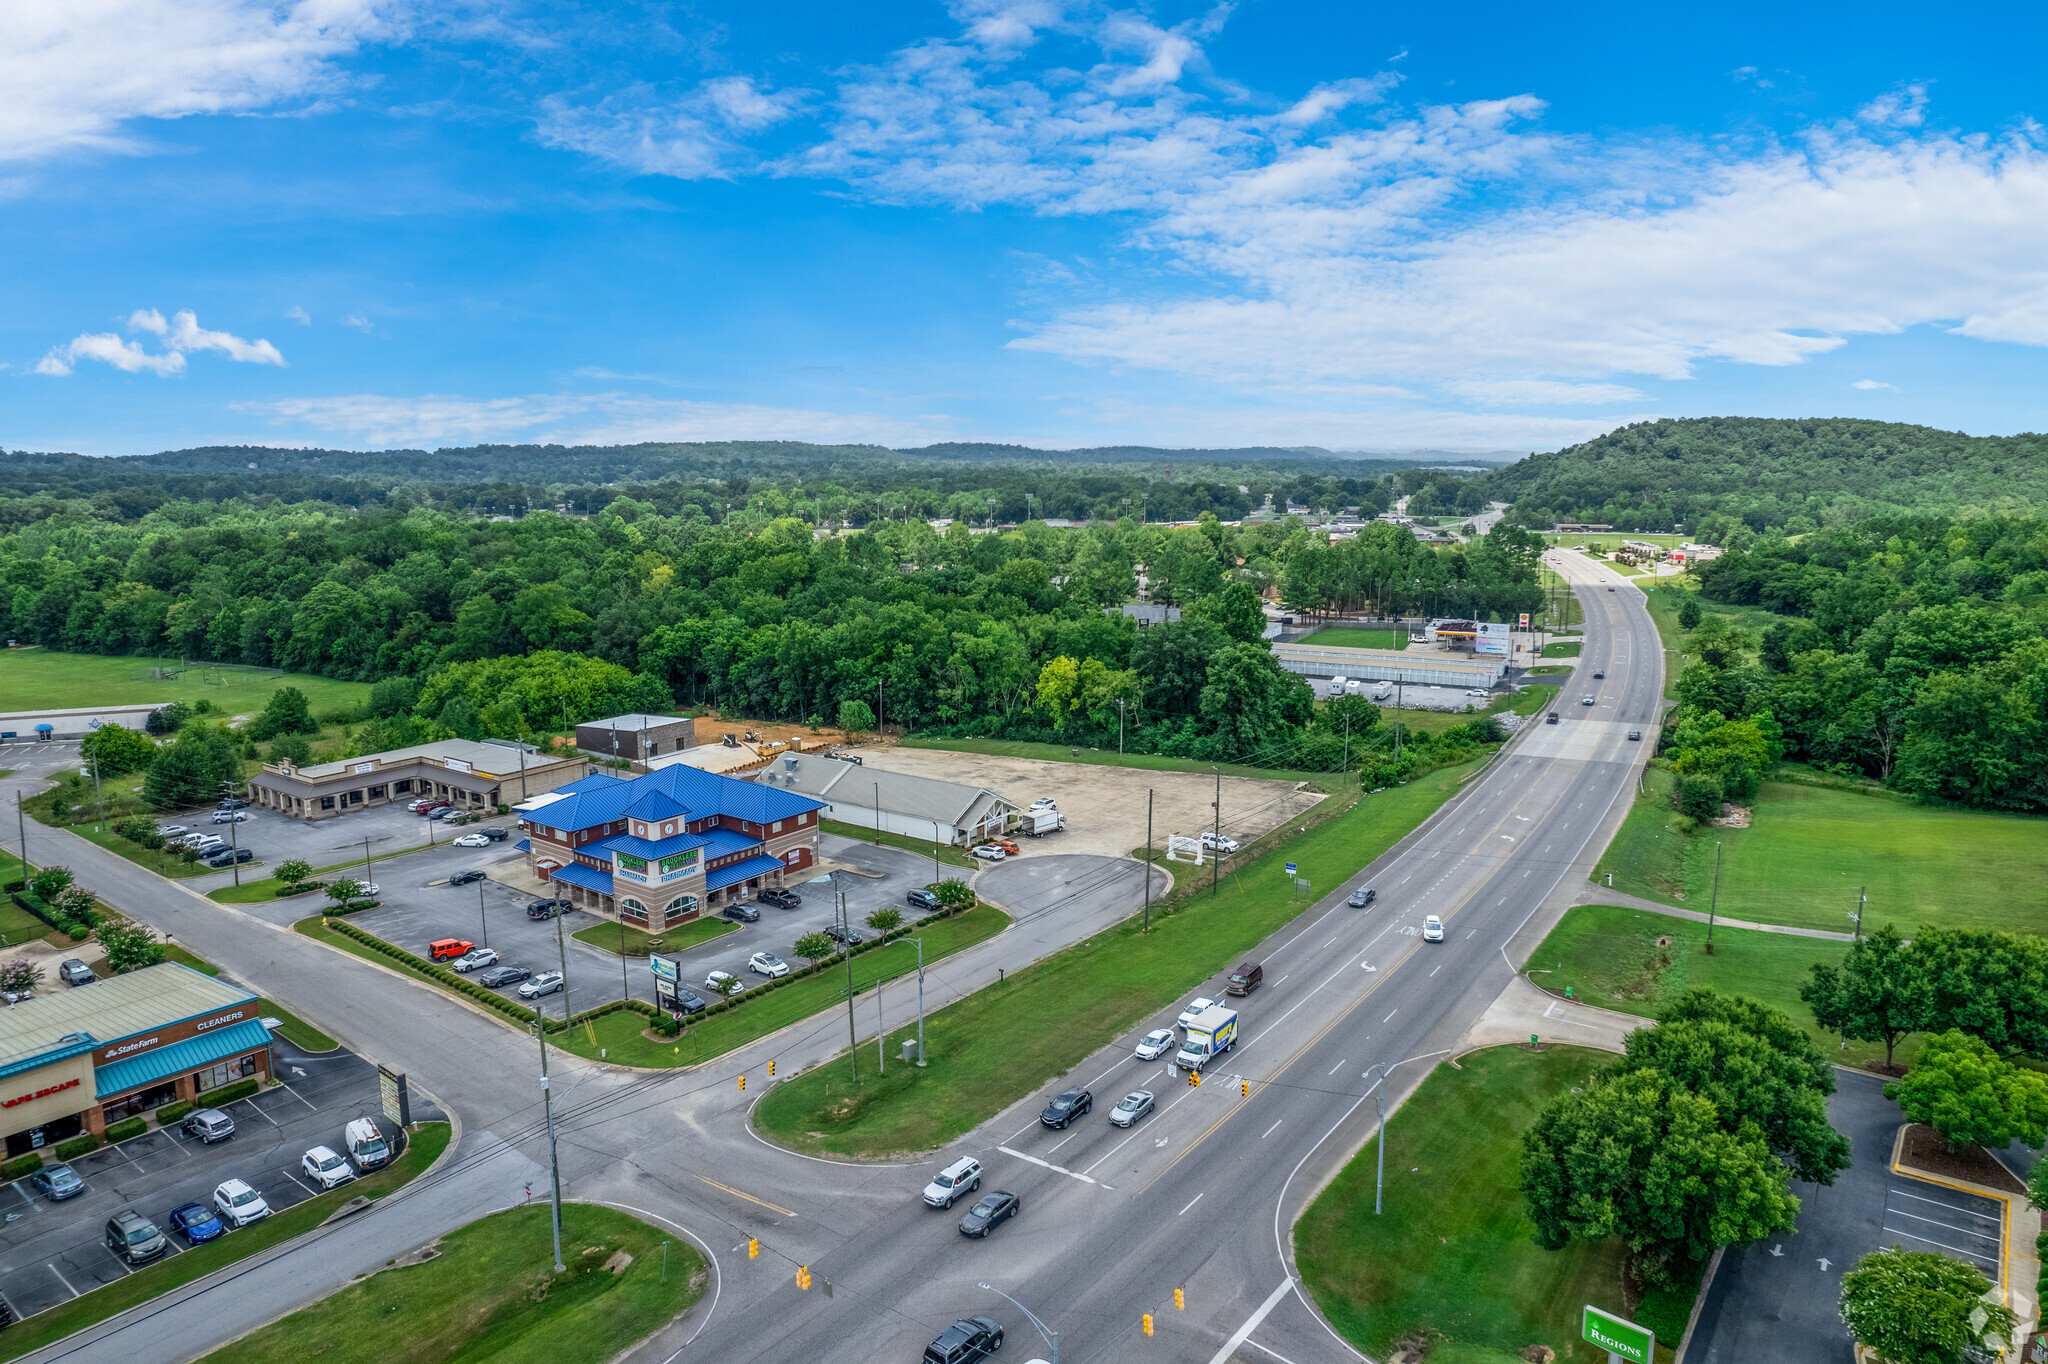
column 667, row 1025
column 126, row 1128
column 20, row 974
column 129, row 945
column 174, row 1112
column 79, row 933
column 21, row 1165
column 227, row 1094
column 293, row 872
column 83, row 1144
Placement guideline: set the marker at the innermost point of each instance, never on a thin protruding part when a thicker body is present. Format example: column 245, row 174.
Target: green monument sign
column 1621, row 1339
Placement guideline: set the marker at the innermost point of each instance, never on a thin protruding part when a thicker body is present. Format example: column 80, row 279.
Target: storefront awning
column 179, row 1057
column 576, row 874
column 741, row 871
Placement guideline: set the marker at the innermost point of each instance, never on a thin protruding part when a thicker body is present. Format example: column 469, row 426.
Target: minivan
column 1245, row 979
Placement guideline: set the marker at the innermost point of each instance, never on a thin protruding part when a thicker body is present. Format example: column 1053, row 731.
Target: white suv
column 238, row 1204
column 961, row 1177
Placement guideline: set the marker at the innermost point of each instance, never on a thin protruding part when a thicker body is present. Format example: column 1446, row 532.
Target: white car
column 1155, row 1044
column 238, row 1204
column 1131, row 1107
column 546, row 983
column 230, row 816
column 1195, row 1010
column 1432, row 929
column 1044, row 803
column 1220, row 842
column 472, row 841
column 1477, row 691
column 366, row 889
column 475, row 958
column 990, row 852
column 767, row 964
column 174, row 830
column 322, row 1164
column 718, row 982
column 963, row 1176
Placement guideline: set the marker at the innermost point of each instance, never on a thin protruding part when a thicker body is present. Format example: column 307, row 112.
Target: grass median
column 270, row 888
column 948, row 856
column 32, row 1333
column 997, row 1045
column 639, row 943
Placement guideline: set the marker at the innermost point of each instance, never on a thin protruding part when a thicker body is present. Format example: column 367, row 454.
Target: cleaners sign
column 1621, row 1339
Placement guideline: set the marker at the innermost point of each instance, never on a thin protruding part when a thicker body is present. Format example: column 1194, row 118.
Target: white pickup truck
column 1209, row 1033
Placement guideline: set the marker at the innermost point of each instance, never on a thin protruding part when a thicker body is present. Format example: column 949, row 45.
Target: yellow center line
column 749, row 1197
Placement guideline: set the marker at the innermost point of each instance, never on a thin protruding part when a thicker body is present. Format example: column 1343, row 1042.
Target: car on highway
column 57, row 1182
column 133, row 1238
column 1599, row 674
column 718, row 982
column 740, row 914
column 767, row 964
column 546, row 983
column 472, row 841
column 1432, row 929
column 231, row 816
column 779, row 897
column 324, row 1166
column 922, row 899
column 475, row 959
column 1220, row 842
column 1156, row 1044
column 1195, row 1010
column 961, row 1177
column 209, row 1125
column 498, row 977
column 195, row 1222
column 843, row 935
column 967, row 1341
column 1552, row 720
column 1586, row 700
column 989, row 852
column 1131, row 1107
column 238, row 1203
column 464, row 877
column 1066, row 1107
column 1363, row 896
column 1635, row 734
column 990, row 1212
column 548, row 909
column 75, row 972
column 1610, row 589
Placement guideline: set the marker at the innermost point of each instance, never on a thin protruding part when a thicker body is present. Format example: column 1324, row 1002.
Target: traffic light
column 743, row 1082
column 1244, row 1087
column 753, row 1248
column 803, row 1277
column 771, row 1070
column 1194, row 1079
column 1148, row 1323
column 1180, row 1300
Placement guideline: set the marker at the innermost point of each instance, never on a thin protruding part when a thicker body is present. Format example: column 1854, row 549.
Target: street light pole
column 484, row 924
column 1050, row 1336
column 1216, row 851
column 1148, row 859
column 1379, row 1091
column 918, row 943
column 547, row 1099
column 935, row 852
column 852, row 1040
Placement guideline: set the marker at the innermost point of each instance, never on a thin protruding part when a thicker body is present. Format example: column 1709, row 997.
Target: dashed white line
column 1269, row 1131
column 1339, row 1066
column 1191, row 1203
column 1389, row 1016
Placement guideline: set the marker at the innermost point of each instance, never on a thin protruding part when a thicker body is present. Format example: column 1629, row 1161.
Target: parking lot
column 53, row 1252
column 390, row 831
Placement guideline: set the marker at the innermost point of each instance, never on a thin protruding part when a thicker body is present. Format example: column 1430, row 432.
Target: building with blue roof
column 664, row 848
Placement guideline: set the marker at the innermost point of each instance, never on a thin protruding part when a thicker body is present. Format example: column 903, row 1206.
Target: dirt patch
column 1538, row 1354
column 1732, row 817
column 1925, row 1152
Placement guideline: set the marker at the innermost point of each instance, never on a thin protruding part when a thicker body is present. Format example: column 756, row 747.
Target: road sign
column 1290, row 869
column 664, row 968
column 396, row 1094
column 1621, row 1339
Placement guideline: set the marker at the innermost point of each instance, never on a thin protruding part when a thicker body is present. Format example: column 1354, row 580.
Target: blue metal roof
column 725, row 842
column 585, row 877
column 180, row 1057
column 739, row 871
column 523, row 845
column 648, row 847
column 600, row 800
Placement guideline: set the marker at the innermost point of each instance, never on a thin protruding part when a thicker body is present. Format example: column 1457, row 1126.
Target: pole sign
column 667, row 976
column 397, row 1097
column 1621, row 1339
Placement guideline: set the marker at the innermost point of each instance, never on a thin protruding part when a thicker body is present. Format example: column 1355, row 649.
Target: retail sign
column 456, row 765
column 1621, row 1339
column 361, row 768
column 1523, row 621
column 664, row 968
column 397, row 1095
column 72, row 1083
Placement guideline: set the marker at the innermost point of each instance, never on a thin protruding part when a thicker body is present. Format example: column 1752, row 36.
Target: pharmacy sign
column 1621, row 1339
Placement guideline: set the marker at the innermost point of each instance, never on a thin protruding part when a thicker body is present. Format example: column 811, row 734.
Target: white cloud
column 1872, row 385
column 1502, row 391
column 78, row 71
column 299, row 315
column 187, row 335
column 112, row 350
column 574, row 418
column 181, row 335
column 693, row 136
column 360, row 323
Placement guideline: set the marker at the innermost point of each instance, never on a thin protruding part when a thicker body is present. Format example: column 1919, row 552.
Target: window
column 376, row 793
column 633, row 909
column 226, row 1073
column 399, row 788
column 327, row 802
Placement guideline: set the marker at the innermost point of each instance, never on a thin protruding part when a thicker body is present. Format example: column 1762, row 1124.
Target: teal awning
column 178, row 1058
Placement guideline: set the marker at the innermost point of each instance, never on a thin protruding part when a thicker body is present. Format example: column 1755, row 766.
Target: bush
column 21, row 1165
column 227, row 1094
column 173, row 1112
column 667, row 1025
column 83, row 1144
column 126, row 1128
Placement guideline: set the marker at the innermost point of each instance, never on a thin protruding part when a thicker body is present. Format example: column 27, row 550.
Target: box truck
column 1038, row 822
column 1210, row 1033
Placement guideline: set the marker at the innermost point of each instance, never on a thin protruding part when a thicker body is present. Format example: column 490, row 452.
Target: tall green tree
column 1971, row 1095
column 287, row 712
column 1917, row 1307
column 194, row 769
column 114, row 750
column 1879, row 993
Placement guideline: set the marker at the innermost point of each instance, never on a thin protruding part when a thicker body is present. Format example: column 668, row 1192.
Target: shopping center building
column 82, row 1057
column 475, row 775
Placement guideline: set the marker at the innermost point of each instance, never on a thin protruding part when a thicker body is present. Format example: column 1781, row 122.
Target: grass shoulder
column 161, row 862
column 270, row 888
column 36, row 678
column 1452, row 1256
column 639, row 943
column 949, row 856
column 980, row 1060
column 427, row 1143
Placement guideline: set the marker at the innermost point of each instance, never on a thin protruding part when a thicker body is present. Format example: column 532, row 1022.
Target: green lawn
column 997, row 1045
column 17, row 925
column 34, row 1332
column 162, row 862
column 1349, row 637
column 1810, row 849
column 1453, row 1253
column 33, row 678
column 1636, row 962
column 1563, row 649
column 949, row 856
column 492, row 1293
column 638, row 944
column 621, row 1036
column 1647, row 856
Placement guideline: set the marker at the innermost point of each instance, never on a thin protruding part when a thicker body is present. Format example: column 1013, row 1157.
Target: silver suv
column 134, row 1238
column 210, row 1125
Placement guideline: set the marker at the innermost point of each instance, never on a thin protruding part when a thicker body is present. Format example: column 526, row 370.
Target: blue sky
column 371, row 223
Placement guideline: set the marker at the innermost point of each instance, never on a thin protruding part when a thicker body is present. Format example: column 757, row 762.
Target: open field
column 980, row 1062
column 38, row 678
column 1453, row 1253
column 1810, row 851
column 1636, row 962
column 492, row 1293
column 1350, row 637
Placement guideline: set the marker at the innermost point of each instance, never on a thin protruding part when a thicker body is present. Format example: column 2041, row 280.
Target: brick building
column 635, row 738
column 474, row 775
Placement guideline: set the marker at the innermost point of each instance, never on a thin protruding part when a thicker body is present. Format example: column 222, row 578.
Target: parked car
column 57, row 1182
column 546, row 983
column 238, row 1204
column 447, row 949
column 718, row 982
column 1156, row 1044
column 962, row 1176
column 472, row 841
column 767, row 964
column 174, row 830
column 989, row 852
column 231, row 816
column 1477, row 691
column 498, row 977
column 1044, row 803
column 1195, row 1010
column 924, row 900
column 740, row 913
column 1066, row 1107
column 1007, row 845
column 447, row 813
column 495, row 834
column 688, row 1001
column 464, row 877
column 1131, row 1107
column 204, row 844
column 990, row 1212
column 779, row 897
column 548, row 909
column 1432, row 929
column 209, row 1125
column 232, row 804
column 366, row 1144
column 323, row 1165
column 368, row 890
column 1635, row 734
column 1223, row 843
column 134, row 1238
column 967, row 1341
column 229, row 857
column 1363, row 896
column 72, row 971
column 475, row 959
column 844, row 936
column 424, row 804
column 195, row 1222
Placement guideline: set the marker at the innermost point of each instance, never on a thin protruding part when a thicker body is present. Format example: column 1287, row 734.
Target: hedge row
column 172, row 1113
column 80, row 1145
column 440, row 975
column 227, row 1094
column 21, row 1165
column 827, row 963
column 128, row 1127
column 33, row 903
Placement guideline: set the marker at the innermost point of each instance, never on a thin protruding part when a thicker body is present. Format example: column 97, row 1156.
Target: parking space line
column 265, row 1116
column 293, row 1176
column 1952, row 1207
column 1928, row 1240
column 62, row 1280
column 126, row 1269
column 300, row 1097
column 16, row 1186
column 1945, row 1226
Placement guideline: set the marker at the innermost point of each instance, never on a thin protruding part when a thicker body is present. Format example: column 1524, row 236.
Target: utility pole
column 366, row 865
column 1216, row 834
column 484, row 923
column 561, row 946
column 852, row 1041
column 547, row 1098
column 878, row 705
column 1148, row 858
column 1715, row 902
column 918, row 943
column 881, row 1029
column 99, row 799
column 878, row 814
column 21, row 835
column 1862, row 899
column 935, row 852
column 625, row 982
column 1399, row 683
column 1380, row 1098
column 1119, row 726
column 234, row 830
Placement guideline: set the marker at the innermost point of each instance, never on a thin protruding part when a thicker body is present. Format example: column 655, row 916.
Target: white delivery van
column 1209, row 1033
column 1038, row 822
column 367, row 1145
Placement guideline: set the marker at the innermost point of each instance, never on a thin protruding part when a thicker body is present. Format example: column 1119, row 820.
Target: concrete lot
column 53, row 1252
column 1105, row 806
column 389, row 831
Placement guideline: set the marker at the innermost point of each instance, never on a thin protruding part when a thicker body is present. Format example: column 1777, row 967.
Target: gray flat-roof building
column 919, row 807
column 476, row 775
column 636, row 738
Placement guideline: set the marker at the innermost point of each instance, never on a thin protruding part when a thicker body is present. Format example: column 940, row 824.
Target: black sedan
column 498, row 977
column 844, row 936
column 1363, row 896
column 993, row 1210
column 923, row 899
column 547, row 909
column 463, row 878
column 741, row 913
column 1067, row 1107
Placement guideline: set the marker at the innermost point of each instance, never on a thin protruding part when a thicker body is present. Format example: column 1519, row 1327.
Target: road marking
column 296, row 1095
column 1042, row 1164
column 1191, row 1203
column 1389, row 1016
column 1282, row 980
column 1251, row 1323
column 62, row 1280
column 1333, row 938
column 749, row 1197
column 1063, row 1141
column 1116, row 1148
column 293, row 1175
column 1275, row 1353
column 1339, row 1066
column 1438, row 967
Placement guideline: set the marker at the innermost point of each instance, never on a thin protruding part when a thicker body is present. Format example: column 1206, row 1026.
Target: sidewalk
column 1601, row 895
column 1522, row 1011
